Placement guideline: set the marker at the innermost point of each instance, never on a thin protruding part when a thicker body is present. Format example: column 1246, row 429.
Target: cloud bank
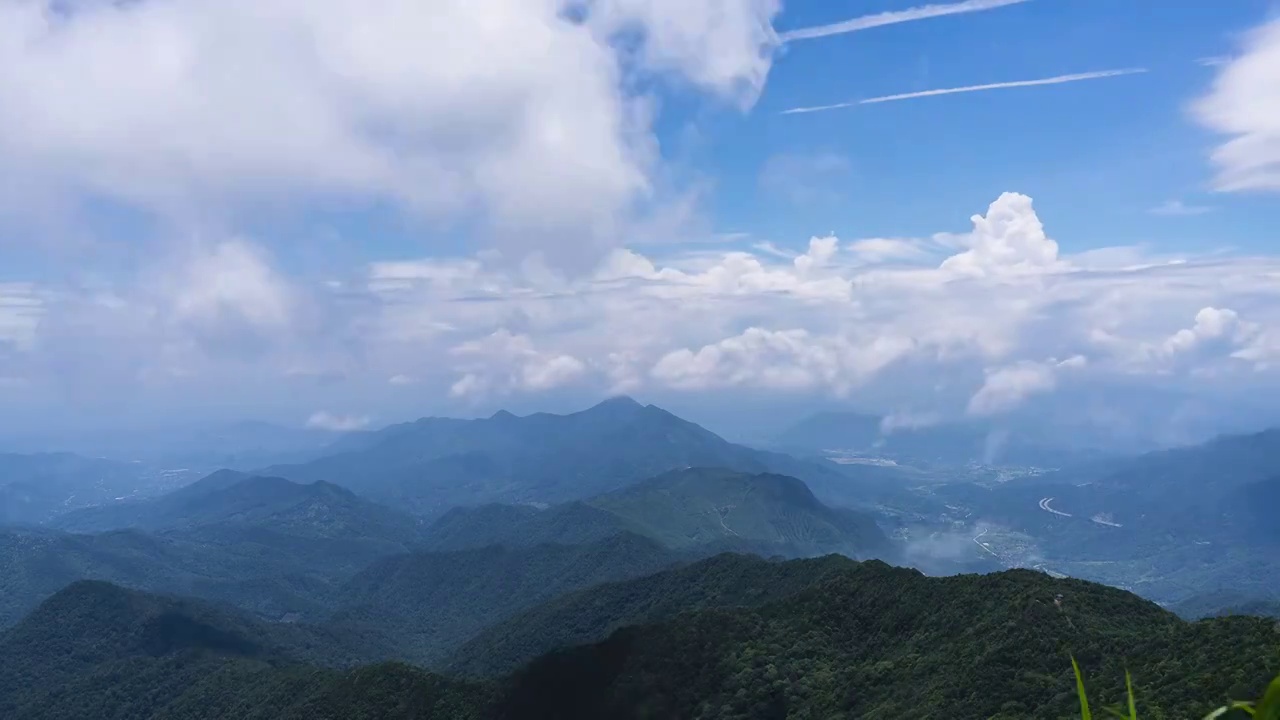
column 978, row 322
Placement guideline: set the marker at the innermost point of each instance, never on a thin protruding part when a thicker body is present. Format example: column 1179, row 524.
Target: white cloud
column 894, row 17
column 724, row 46
column 781, row 360
column 966, row 322
column 502, row 363
column 1008, row 239
column 1007, row 387
column 230, row 283
column 1211, row 324
column 1244, row 105
column 323, row 420
column 518, row 114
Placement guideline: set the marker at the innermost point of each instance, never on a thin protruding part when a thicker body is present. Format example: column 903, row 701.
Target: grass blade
column 1269, row 707
column 1084, row 699
column 1133, row 706
column 1246, row 707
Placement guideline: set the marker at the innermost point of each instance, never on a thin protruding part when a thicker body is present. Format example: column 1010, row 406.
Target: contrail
column 972, row 88
column 893, row 17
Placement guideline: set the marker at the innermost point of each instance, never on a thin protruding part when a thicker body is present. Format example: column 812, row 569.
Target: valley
column 391, row 547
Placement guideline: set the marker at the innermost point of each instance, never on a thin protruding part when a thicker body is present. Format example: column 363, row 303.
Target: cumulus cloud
column 964, row 325
column 1243, row 104
column 780, row 360
column 1008, row 239
column 525, row 114
column 502, row 363
column 1007, row 387
column 323, row 420
column 231, row 283
column 724, row 46
column 1211, row 324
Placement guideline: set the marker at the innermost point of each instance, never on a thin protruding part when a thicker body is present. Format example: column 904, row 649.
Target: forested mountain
column 264, row 544
column 683, row 509
column 274, row 576
column 592, row 614
column 434, row 464
column 320, row 510
column 876, row 641
column 98, row 651
column 426, row 604
column 852, row 640
column 692, row 507
column 570, row 523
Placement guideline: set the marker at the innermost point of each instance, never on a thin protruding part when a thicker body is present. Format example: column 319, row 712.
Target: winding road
column 984, row 545
column 1044, row 505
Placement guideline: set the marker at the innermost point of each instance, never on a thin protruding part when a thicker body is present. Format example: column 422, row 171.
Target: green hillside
column 855, row 640
column 590, row 615
column 696, row 510
column 571, row 523
column 98, row 651
column 426, row 604
column 882, row 642
column 696, row 506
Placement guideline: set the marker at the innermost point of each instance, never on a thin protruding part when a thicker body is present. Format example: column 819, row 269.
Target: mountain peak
column 502, row 415
column 618, row 402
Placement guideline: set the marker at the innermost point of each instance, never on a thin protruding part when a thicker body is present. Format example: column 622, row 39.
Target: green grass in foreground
column 1268, row 708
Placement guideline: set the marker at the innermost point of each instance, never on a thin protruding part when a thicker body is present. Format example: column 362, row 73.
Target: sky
column 347, row 213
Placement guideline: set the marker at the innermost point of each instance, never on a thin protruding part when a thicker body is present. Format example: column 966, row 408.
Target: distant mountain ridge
column 268, row 545
column 318, row 509
column 682, row 509
column 436, row 463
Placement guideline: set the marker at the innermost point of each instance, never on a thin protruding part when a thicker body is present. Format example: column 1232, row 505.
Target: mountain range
column 681, row 509
column 837, row 639
column 435, row 464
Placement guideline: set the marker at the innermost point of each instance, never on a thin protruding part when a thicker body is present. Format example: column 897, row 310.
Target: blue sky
column 1117, row 146
column 362, row 212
